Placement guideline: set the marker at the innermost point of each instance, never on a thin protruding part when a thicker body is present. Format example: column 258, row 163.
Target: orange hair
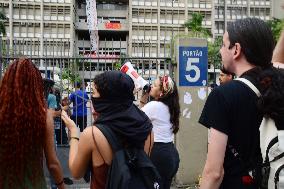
column 22, row 125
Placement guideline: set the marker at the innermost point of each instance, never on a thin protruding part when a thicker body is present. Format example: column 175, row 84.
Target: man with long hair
column 26, row 130
column 230, row 111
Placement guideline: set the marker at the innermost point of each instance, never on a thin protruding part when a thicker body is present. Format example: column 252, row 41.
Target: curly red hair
column 22, row 125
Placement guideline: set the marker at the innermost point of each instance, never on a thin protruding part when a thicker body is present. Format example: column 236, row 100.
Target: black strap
column 278, row 157
column 276, row 177
column 110, row 136
column 271, row 143
column 236, row 155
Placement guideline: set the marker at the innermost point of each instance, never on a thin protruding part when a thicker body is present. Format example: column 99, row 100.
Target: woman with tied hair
column 26, row 130
column 112, row 100
column 164, row 112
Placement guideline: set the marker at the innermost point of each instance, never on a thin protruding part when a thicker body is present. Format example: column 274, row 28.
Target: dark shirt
column 232, row 110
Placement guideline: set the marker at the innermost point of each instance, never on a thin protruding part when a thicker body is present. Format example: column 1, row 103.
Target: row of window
column 38, row 35
column 45, row 1
column 172, row 4
column 166, row 21
column 244, row 2
column 45, row 17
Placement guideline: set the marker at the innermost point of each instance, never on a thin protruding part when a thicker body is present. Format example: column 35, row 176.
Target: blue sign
column 193, row 66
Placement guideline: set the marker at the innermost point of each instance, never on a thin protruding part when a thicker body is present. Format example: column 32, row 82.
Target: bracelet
column 74, row 138
column 142, row 102
column 61, row 182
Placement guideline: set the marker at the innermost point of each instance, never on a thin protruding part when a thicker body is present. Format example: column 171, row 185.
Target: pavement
column 63, row 155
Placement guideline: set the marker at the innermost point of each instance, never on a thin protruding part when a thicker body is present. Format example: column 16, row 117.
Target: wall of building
column 278, row 11
column 46, row 26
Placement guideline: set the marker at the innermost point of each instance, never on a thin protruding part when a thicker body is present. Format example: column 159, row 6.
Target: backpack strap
column 97, row 144
column 250, row 85
column 110, row 136
column 276, row 177
column 271, row 143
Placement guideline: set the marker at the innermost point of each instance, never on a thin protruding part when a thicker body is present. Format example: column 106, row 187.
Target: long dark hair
column 172, row 101
column 271, row 102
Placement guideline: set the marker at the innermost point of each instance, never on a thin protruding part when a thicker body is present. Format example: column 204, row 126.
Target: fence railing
column 67, row 71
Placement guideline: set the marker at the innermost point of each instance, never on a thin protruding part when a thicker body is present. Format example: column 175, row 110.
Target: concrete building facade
column 133, row 27
column 39, row 27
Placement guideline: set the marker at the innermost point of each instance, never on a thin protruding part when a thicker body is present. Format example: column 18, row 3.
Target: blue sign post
column 193, row 66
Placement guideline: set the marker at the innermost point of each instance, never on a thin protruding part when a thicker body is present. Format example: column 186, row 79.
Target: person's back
column 243, row 120
column 25, row 129
column 231, row 111
column 116, row 111
column 164, row 112
column 79, row 98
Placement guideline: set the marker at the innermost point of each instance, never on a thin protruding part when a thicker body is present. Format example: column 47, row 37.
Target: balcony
column 81, row 26
column 112, row 13
column 103, row 44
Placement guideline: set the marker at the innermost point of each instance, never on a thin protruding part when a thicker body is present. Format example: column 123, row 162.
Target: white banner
column 92, row 23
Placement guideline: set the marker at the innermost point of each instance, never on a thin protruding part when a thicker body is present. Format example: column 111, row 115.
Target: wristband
column 74, row 138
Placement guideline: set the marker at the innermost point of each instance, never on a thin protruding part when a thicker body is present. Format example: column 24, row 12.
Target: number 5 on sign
column 192, row 67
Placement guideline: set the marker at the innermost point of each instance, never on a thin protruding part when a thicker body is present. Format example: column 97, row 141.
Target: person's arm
column 278, row 53
column 52, row 162
column 213, row 171
column 143, row 99
column 149, row 143
column 80, row 153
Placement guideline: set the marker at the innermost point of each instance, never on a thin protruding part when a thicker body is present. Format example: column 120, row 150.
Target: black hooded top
column 117, row 111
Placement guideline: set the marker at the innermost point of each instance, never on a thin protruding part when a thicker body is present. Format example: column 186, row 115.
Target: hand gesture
column 68, row 122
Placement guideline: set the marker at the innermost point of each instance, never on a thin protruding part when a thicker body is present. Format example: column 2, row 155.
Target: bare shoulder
column 102, row 151
column 93, row 133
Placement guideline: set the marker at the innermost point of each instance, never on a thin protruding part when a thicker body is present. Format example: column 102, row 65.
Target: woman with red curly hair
column 26, row 130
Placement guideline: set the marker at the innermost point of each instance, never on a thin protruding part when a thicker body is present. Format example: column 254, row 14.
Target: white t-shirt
column 159, row 114
column 278, row 65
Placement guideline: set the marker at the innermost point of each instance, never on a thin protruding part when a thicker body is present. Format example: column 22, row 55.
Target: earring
column 161, row 94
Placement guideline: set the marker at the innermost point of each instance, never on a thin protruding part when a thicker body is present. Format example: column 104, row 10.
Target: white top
column 159, row 114
column 278, row 65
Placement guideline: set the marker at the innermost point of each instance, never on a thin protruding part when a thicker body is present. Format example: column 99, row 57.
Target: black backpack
column 130, row 168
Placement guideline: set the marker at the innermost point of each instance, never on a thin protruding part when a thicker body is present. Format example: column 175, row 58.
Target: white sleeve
column 149, row 109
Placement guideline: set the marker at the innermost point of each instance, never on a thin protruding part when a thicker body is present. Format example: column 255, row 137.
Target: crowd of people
column 33, row 117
